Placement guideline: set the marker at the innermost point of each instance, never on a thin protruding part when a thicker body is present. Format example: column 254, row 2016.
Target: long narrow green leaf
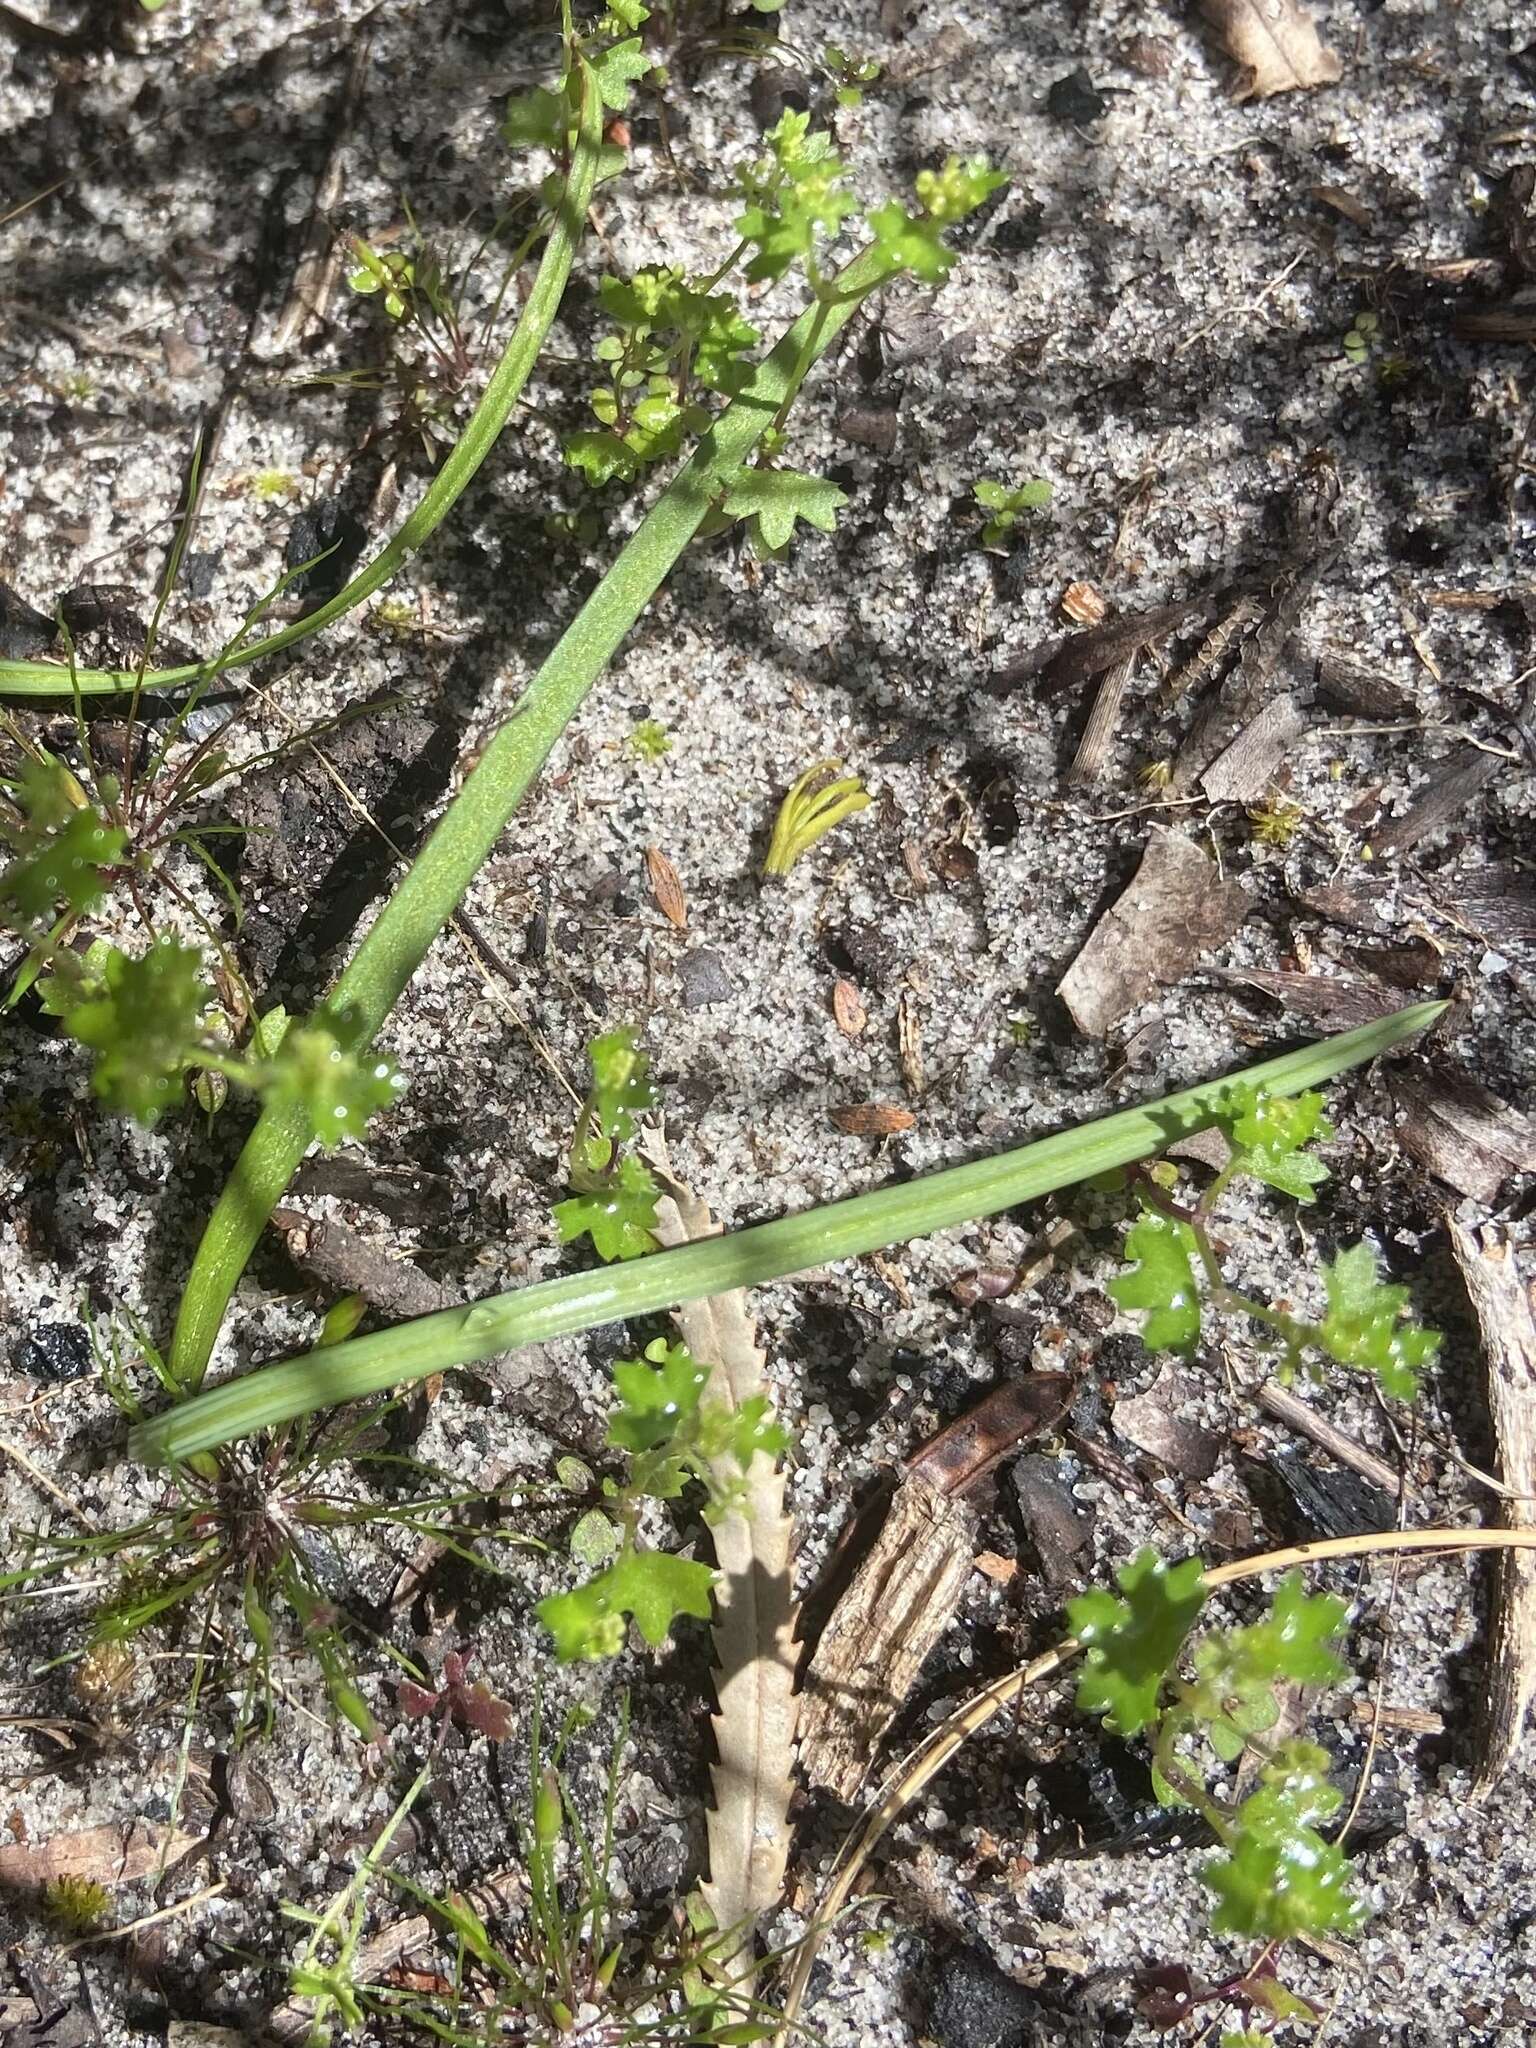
column 744, row 1258
column 427, row 897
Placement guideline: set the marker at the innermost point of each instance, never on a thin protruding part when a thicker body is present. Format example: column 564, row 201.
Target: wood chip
column 965, row 1451
column 1002, row 1571
column 1276, row 43
column 1460, row 1131
column 1060, row 1528
column 1088, row 761
column 1301, row 1416
column 1502, row 1300
column 1177, row 908
column 1065, row 664
column 1339, row 679
column 666, row 889
column 873, row 1119
column 1451, row 787
column 1333, row 1002
column 1213, row 649
column 1244, row 771
column 848, row 1011
column 1083, row 605
column 1158, row 1423
column 901, row 1601
column 1498, row 903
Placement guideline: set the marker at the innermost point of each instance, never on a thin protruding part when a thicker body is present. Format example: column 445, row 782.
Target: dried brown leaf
column 666, row 889
column 1277, row 44
column 755, row 1721
column 119, row 1852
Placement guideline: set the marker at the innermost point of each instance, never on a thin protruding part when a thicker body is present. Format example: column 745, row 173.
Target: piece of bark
column 1157, row 1422
column 903, row 1596
column 1343, row 682
column 1276, row 43
column 872, row 1119
column 1301, row 1500
column 1059, row 1529
column 1245, row 769
column 1334, row 1002
column 963, row 1453
column 1214, row 649
column 1241, row 697
column 1452, row 786
column 1502, row 1301
column 1064, row 664
column 1088, row 761
column 1176, row 908
column 1497, row 903
column 1515, row 321
column 756, row 1715
column 1301, row 1416
column 1460, row 1131
column 1367, row 910
column 901, row 1601
column 344, row 1259
column 119, row 1852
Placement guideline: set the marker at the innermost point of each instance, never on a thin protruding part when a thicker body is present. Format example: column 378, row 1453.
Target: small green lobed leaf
column 772, row 500
column 1237, row 1669
column 964, row 184
column 1279, row 1879
column 1163, row 1283
column 616, row 70
column 1267, row 1133
column 323, row 1068
column 620, row 1217
column 1364, row 1326
column 620, row 1084
column 141, row 1019
column 652, row 1585
column 1130, row 1645
column 794, row 196
column 658, row 1396
column 66, row 868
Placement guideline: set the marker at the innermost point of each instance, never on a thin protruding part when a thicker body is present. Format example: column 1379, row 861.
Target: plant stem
column 468, row 830
column 745, row 1258
column 481, row 431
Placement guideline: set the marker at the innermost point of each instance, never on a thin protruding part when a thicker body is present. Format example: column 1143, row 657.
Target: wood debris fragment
column 1088, row 761
column 1452, row 786
column 1159, row 1423
column 666, row 889
column 1176, row 908
column 1083, row 605
column 343, row 1258
column 1502, row 1300
column 1213, row 650
column 757, row 1713
column 1289, row 1408
column 848, row 1011
column 1339, row 679
column 1331, row 1002
column 1460, row 1131
column 1496, row 902
column 1065, row 663
column 1245, row 769
column 904, row 1595
column 1276, row 43
column 909, row 1043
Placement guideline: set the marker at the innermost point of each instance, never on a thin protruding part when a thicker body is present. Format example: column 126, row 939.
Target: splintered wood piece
column 901, row 1601
column 1245, row 769
column 1333, row 1002
column 1461, row 1132
column 343, row 1258
column 904, row 1595
column 1451, row 788
column 1213, row 649
column 1064, row 664
column 1276, row 43
column 1088, row 762
column 1176, row 908
column 1501, row 1299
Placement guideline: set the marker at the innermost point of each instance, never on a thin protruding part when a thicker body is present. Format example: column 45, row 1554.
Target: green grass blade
column 469, row 828
column 743, row 1258
column 481, row 431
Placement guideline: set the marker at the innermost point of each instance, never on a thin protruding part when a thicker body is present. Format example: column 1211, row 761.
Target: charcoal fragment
column 54, row 1351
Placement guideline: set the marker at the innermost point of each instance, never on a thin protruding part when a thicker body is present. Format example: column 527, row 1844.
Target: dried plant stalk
column 754, row 1607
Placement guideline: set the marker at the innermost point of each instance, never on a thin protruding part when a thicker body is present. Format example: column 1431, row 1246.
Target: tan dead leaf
column 1276, row 42
column 848, row 1011
column 666, row 889
column 873, row 1119
column 1083, row 605
column 755, row 1722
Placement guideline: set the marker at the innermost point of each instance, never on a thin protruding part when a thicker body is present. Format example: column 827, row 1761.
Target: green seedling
column 1008, row 506
column 1277, row 1877
column 650, row 741
column 1177, row 1273
column 77, row 1905
column 1362, row 337
column 817, row 803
